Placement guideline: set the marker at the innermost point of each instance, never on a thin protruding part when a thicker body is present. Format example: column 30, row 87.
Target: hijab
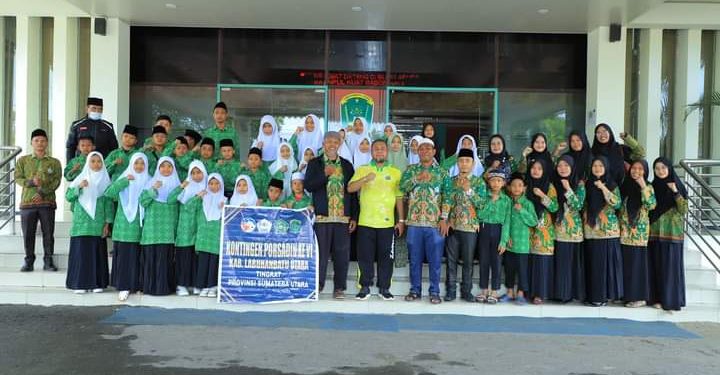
column 557, row 182
column 193, row 187
column 248, row 199
column 362, row 158
column 290, row 163
column 612, row 151
column 503, row 156
column 477, row 168
column 344, row 150
column 542, row 183
column 413, row 157
column 353, row 138
column 130, row 196
column 310, row 139
column 304, row 163
column 434, row 138
column 595, row 197
column 664, row 196
column 582, row 158
column 393, row 130
column 270, row 142
column 397, row 158
column 632, row 194
column 98, row 181
column 212, row 201
column 536, row 155
column 168, row 182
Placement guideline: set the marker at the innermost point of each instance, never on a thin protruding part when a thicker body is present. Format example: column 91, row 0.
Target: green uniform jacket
column 229, row 170
column 424, row 198
column 113, row 169
column 182, row 163
column 217, row 134
column 77, row 163
column 260, row 179
column 460, row 208
column 82, row 223
column 291, row 202
column 123, row 231
column 49, row 171
column 161, row 219
column 520, row 223
column 208, row 231
column 670, row 226
column 497, row 212
column 187, row 226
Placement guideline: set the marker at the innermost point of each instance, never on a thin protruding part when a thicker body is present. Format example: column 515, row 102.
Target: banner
column 267, row 255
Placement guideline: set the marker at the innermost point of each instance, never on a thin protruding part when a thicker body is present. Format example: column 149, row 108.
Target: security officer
column 94, row 126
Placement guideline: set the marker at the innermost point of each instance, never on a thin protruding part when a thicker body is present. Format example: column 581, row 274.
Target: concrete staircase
column 48, row 288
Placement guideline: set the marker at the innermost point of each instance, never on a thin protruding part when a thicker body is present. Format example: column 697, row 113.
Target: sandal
column 435, row 299
column 537, row 301
column 492, row 299
column 412, row 297
column 481, row 298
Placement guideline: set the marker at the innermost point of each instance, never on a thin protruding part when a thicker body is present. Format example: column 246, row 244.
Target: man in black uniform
column 94, row 126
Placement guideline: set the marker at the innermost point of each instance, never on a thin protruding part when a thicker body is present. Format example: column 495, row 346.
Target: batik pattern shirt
column 671, row 225
column 123, row 231
column 424, row 198
column 570, row 227
column 161, row 219
column 461, row 207
column 335, row 194
column 82, row 223
column 607, row 224
column 542, row 236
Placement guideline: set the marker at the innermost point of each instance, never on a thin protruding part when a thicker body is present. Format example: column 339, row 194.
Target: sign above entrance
column 360, row 79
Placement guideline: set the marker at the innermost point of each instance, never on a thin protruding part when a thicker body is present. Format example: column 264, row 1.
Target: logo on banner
column 356, row 105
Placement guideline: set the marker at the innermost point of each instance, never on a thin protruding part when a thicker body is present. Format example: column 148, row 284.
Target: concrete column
column 3, row 125
column 64, row 91
column 649, row 108
column 605, row 80
column 715, row 132
column 110, row 71
column 687, row 90
column 28, row 49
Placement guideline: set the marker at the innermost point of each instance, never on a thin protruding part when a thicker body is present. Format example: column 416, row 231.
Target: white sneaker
column 212, row 293
column 204, row 292
column 182, row 291
column 196, row 290
column 123, row 295
column 79, row 291
column 97, row 290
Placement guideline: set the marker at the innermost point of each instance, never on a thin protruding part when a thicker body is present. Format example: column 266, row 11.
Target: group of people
column 581, row 223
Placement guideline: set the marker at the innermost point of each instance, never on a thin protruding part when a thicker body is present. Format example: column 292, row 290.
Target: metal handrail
column 7, row 168
column 702, row 203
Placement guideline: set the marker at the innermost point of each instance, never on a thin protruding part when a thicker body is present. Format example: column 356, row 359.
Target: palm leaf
column 713, row 100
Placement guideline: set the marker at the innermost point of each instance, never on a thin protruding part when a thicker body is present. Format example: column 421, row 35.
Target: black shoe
column 49, row 266
column 386, row 295
column 450, row 296
column 27, row 267
column 363, row 295
column 468, row 297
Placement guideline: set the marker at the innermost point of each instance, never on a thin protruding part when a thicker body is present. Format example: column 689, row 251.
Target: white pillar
column 3, row 125
column 687, row 90
column 110, row 71
column 28, row 46
column 64, row 91
column 650, row 80
column 605, row 98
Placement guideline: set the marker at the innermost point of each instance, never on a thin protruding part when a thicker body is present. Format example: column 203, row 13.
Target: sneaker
column 97, row 290
column 521, row 301
column 386, row 295
column 196, row 290
column 79, row 291
column 182, row 291
column 363, row 295
column 212, row 292
column 634, row 304
column 450, row 296
column 123, row 295
column 339, row 294
column 204, row 292
column 506, row 298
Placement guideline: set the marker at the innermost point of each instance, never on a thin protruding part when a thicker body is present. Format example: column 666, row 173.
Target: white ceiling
column 563, row 16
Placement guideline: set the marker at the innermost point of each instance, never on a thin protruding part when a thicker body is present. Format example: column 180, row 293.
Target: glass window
column 357, row 58
column 83, row 51
column 707, row 80
column 442, row 59
column 273, row 56
column 173, row 54
column 46, row 71
column 667, row 90
column 523, row 114
column 7, row 78
column 542, row 61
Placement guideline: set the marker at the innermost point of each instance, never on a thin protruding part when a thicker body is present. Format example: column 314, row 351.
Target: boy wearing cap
column 156, row 149
column 258, row 173
column 298, row 199
column 193, row 139
column 92, row 125
column 117, row 161
column 221, row 130
column 207, row 150
column 228, row 167
column 166, row 122
column 39, row 176
column 85, row 146
column 274, row 192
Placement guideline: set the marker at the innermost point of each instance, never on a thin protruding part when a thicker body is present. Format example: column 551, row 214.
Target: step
column 61, row 296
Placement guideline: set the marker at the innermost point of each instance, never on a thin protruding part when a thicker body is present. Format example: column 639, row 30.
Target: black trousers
column 490, row 259
column 516, row 266
column 29, row 218
column 376, row 244
column 333, row 239
column 460, row 245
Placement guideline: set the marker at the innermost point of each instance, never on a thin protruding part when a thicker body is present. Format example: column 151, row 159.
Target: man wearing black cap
column 228, row 167
column 221, row 130
column 193, row 138
column 166, row 122
column 39, row 175
column 157, row 148
column 117, row 161
column 258, row 172
column 92, row 125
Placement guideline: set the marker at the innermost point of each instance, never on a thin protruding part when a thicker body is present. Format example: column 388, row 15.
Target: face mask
column 95, row 115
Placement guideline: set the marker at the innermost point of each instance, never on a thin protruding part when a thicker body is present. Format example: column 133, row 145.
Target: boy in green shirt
column 227, row 166
column 298, row 199
column 155, row 150
column 221, row 130
column 117, row 160
column 85, row 146
column 522, row 218
column 274, row 191
column 182, row 157
column 207, row 150
column 258, row 172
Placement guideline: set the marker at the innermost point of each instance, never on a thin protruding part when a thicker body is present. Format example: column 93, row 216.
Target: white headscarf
column 360, row 158
column 168, row 182
column 98, row 181
column 344, row 150
column 413, row 157
column 212, row 201
column 478, row 168
column 291, row 167
column 353, row 138
column 193, row 187
column 304, row 163
column 270, row 142
column 248, row 199
column 130, row 196
column 394, row 131
column 312, row 140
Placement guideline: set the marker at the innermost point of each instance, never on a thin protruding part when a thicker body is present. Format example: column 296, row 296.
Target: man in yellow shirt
column 379, row 185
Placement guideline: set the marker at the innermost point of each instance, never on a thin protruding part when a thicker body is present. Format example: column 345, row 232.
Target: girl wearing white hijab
column 159, row 228
column 127, row 225
column 307, row 155
column 310, row 136
column 362, row 154
column 284, row 163
column 344, row 150
column 92, row 213
column 268, row 138
column 413, row 157
column 244, row 194
column 187, row 227
column 470, row 141
column 208, row 235
column 358, row 131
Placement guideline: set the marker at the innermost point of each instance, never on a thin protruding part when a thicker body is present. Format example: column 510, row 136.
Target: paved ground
column 106, row 340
